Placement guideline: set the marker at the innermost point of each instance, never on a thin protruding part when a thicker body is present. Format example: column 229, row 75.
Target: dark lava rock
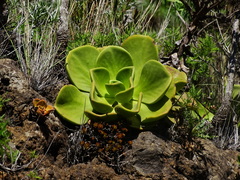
column 156, row 158
column 151, row 157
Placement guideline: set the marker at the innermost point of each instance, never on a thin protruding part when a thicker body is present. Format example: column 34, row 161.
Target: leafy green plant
column 2, row 102
column 205, row 72
column 191, row 126
column 7, row 153
column 201, row 128
column 193, row 115
column 114, row 82
column 33, row 154
column 4, row 134
column 204, row 52
column 34, row 175
column 197, row 109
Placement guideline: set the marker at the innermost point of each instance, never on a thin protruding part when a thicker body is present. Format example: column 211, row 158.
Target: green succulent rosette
column 118, row 82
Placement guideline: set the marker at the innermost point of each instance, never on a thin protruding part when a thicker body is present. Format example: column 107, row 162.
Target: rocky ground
column 44, row 145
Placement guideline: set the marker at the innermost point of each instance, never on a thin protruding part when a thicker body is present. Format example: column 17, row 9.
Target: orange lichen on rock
column 42, row 108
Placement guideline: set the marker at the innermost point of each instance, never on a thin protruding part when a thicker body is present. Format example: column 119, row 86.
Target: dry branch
column 221, row 122
column 198, row 11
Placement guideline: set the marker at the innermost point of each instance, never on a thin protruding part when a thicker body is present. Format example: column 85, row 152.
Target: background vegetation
column 200, row 32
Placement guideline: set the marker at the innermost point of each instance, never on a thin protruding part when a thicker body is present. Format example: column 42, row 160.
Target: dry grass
column 110, row 16
column 36, row 43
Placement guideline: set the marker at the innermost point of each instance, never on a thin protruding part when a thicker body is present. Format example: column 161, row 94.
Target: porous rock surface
column 151, row 156
column 157, row 158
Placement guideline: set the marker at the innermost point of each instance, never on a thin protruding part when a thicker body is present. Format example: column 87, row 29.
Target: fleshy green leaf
column 203, row 112
column 126, row 76
column 142, row 49
column 99, row 104
column 197, row 109
column 129, row 109
column 154, row 82
column 109, row 117
column 71, row 104
column 78, row 63
column 171, row 92
column 135, row 122
column 100, row 76
column 153, row 112
column 179, row 78
column 125, row 96
column 114, row 88
column 236, row 91
column 114, row 58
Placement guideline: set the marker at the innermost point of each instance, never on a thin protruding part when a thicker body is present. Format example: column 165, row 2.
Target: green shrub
column 204, row 56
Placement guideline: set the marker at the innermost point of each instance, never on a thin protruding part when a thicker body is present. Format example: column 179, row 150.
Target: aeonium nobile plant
column 113, row 83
